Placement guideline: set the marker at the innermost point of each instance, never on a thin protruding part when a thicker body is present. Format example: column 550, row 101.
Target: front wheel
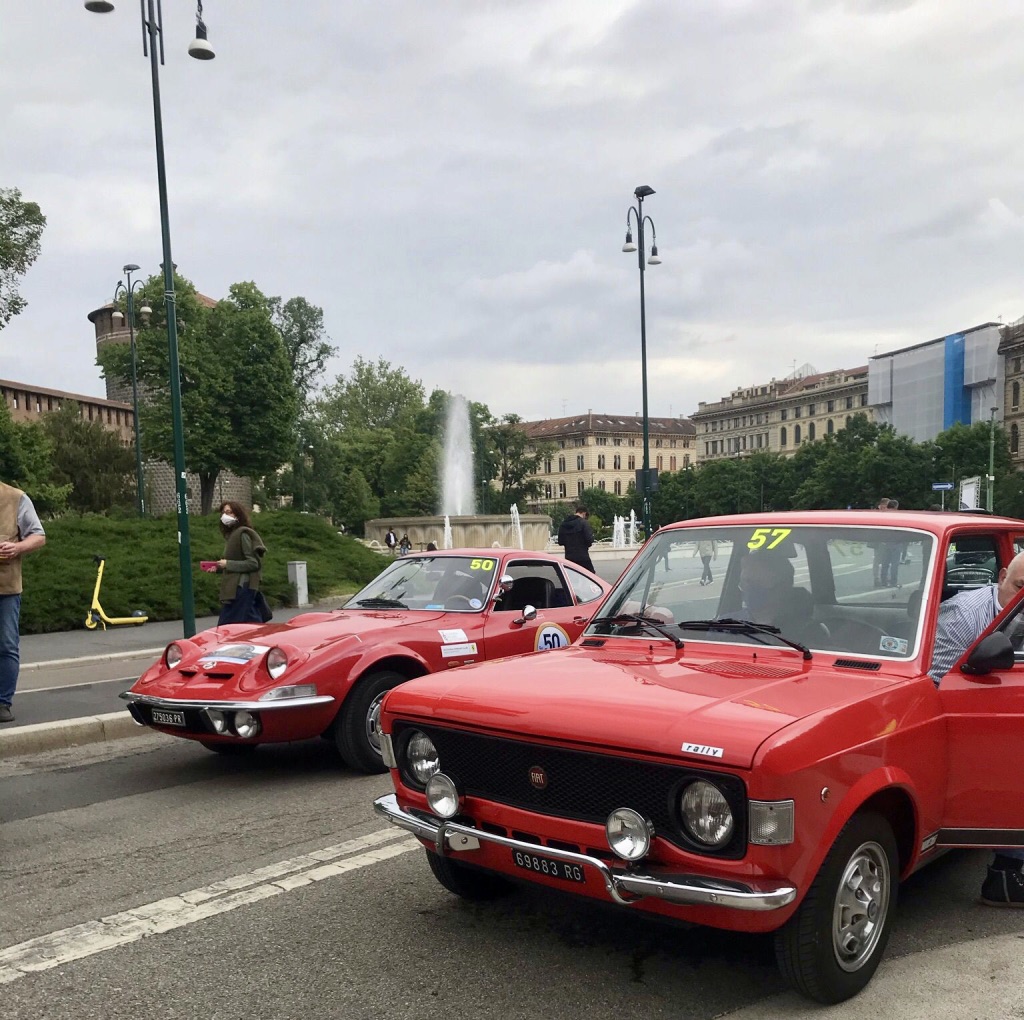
column 465, row 882
column 356, row 729
column 831, row 947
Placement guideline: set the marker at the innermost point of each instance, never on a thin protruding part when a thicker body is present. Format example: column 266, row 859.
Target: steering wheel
column 458, row 599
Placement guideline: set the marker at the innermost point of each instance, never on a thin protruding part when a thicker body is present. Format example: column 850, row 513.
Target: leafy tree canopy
column 21, row 227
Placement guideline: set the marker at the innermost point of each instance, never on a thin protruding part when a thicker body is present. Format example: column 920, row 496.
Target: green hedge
column 142, row 569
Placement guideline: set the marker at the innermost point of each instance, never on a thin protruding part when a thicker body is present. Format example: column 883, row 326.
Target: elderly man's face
column 1011, row 580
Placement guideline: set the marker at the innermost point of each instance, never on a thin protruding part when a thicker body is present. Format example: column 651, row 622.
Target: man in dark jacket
column 577, row 537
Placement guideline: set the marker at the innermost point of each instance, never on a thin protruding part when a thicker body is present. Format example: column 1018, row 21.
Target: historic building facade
column 605, row 451
column 29, row 403
column 781, row 415
column 1011, row 350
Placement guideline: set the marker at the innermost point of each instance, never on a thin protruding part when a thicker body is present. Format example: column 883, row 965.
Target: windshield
column 457, row 584
column 853, row 590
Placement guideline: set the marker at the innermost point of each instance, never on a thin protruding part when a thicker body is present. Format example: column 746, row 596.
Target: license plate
column 548, row 866
column 161, row 718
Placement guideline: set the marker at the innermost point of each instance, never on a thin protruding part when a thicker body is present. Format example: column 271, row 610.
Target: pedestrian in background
column 707, row 551
column 391, row 541
column 405, row 546
column 576, row 536
column 20, row 533
column 242, row 567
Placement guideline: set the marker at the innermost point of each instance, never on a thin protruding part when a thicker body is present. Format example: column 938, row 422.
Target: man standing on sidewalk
column 576, row 536
column 20, row 533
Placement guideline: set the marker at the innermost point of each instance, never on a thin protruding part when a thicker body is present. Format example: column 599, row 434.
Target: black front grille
column 580, row 785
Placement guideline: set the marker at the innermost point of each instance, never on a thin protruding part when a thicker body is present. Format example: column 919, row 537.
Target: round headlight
column 277, row 662
column 421, row 755
column 246, row 724
column 629, row 833
column 706, row 813
column 173, row 655
column 442, row 796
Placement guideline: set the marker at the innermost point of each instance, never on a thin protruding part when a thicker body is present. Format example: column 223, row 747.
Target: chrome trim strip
column 625, row 887
column 224, row 706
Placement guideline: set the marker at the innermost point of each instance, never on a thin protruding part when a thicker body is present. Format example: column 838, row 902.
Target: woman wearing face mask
column 241, row 566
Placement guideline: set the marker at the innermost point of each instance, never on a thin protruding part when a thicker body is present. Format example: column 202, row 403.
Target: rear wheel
column 467, row 882
column 231, row 749
column 831, row 947
column 356, row 730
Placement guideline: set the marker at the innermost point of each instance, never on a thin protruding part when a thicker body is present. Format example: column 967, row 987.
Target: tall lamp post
column 127, row 291
column 637, row 212
column 152, row 37
column 991, row 458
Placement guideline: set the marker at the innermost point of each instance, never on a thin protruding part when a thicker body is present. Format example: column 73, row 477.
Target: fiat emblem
column 538, row 777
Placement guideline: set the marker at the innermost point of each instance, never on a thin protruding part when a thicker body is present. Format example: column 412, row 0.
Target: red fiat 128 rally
column 763, row 751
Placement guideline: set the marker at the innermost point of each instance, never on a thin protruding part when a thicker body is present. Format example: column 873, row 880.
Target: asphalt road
column 265, row 886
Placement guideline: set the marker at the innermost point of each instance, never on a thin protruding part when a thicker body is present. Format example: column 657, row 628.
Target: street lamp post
column 200, row 48
column 128, row 292
column 637, row 212
column 991, row 457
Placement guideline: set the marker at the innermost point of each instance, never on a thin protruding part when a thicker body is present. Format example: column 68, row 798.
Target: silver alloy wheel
column 861, row 903
column 373, row 722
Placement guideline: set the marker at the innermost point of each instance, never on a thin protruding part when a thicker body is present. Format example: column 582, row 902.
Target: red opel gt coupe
column 326, row 673
column 764, row 751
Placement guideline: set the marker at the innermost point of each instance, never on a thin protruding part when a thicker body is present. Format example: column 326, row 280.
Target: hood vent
column 593, row 643
column 746, row 670
column 857, row 664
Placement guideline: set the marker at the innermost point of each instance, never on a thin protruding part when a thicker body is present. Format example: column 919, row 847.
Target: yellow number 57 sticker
column 767, row 538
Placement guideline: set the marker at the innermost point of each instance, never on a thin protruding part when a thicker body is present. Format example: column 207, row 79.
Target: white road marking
column 75, row 943
column 83, row 683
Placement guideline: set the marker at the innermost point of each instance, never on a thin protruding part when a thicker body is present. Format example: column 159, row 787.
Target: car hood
column 223, row 663
column 706, row 709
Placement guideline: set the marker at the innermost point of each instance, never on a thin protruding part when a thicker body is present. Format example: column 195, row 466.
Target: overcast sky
column 449, row 180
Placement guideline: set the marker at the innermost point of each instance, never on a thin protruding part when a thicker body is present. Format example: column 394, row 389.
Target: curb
column 108, row 657
column 52, row 736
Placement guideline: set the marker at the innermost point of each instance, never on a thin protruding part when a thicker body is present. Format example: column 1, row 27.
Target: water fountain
column 618, row 532
column 632, row 528
column 457, row 524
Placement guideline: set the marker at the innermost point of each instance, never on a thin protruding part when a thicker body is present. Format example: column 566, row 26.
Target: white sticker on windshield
column 895, row 645
column 704, row 749
column 451, row 636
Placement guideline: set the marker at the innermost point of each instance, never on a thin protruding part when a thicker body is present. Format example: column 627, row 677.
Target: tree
column 514, row 464
column 301, row 326
column 21, row 227
column 238, row 401
column 26, row 461
column 373, row 396
column 358, row 503
column 91, row 459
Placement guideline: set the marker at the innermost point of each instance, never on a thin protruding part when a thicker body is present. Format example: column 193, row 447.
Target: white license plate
column 540, row 865
column 162, row 718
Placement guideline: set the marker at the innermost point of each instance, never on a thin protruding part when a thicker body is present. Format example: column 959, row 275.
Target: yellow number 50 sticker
column 477, row 564
column 767, row 538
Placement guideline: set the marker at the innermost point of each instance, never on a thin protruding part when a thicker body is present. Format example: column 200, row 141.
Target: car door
column 559, row 620
column 984, row 716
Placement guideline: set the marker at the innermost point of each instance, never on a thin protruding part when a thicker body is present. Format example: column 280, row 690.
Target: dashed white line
column 81, row 940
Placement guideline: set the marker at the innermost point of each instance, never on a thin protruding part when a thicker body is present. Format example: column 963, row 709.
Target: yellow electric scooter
column 96, row 617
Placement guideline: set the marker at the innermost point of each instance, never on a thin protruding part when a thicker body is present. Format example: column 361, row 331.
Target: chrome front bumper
column 624, row 887
column 224, row 706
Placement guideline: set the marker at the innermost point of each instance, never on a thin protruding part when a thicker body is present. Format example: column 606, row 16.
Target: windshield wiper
column 378, row 603
column 644, row 621
column 744, row 627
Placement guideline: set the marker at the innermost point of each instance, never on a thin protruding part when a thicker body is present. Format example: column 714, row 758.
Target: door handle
column 580, row 619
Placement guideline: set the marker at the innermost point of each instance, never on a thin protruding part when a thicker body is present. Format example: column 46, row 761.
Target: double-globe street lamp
column 152, row 37
column 637, row 212
column 127, row 291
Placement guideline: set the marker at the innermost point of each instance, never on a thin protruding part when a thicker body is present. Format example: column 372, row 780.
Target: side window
column 971, row 562
column 536, row 584
column 584, row 589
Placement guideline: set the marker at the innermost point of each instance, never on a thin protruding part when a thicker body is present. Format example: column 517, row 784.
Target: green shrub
column 142, row 568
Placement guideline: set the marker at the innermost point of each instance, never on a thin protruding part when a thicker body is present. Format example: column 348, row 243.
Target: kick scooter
column 96, row 617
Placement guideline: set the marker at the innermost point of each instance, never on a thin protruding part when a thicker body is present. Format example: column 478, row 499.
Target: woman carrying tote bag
column 240, row 596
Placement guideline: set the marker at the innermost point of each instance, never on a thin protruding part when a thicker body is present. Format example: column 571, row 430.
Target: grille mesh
column 580, row 785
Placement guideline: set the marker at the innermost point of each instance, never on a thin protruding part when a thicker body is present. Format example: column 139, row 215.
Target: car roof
column 486, row 551
column 936, row 521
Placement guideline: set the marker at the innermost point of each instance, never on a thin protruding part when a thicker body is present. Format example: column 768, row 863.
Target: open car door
column 983, row 701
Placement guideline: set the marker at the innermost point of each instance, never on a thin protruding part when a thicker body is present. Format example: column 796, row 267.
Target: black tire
column 831, row 947
column 355, row 728
column 465, row 882
column 232, row 749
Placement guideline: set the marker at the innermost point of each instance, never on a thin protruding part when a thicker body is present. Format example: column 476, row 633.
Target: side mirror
column 991, row 654
column 505, row 583
column 529, row 613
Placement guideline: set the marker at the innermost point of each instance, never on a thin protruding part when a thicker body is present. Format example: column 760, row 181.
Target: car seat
column 528, row 591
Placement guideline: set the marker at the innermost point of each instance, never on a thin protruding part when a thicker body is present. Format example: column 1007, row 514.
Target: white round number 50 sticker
column 551, row 636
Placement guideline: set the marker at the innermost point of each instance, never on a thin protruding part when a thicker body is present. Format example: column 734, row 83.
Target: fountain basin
column 471, row 531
